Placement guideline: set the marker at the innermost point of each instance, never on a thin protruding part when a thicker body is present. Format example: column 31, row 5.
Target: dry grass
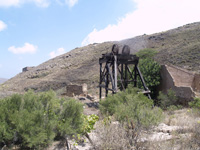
column 187, row 137
column 116, row 136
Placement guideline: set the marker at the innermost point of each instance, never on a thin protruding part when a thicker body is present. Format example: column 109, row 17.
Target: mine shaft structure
column 115, row 72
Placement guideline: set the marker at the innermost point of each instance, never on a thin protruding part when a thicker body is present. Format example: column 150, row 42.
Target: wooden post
column 107, row 79
column 115, row 70
column 135, row 76
column 126, row 76
column 122, row 76
column 100, row 81
column 143, row 82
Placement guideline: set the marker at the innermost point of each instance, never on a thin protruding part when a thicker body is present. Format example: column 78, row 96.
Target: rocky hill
column 180, row 47
column 2, row 80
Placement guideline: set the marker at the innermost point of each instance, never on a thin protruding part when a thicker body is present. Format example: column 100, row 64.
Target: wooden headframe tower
column 115, row 73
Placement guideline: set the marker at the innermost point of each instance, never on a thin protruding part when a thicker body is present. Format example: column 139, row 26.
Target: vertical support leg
column 126, row 76
column 113, row 75
column 107, row 79
column 135, row 76
column 115, row 71
column 100, row 81
column 122, row 76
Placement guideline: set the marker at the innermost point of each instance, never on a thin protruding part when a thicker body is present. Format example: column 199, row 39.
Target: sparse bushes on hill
column 32, row 121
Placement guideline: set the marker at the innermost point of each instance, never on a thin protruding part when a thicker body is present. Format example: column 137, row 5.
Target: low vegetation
column 133, row 113
column 150, row 70
column 196, row 103
column 32, row 121
column 131, row 106
column 169, row 100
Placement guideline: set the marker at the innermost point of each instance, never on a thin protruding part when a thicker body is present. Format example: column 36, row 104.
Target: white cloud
column 42, row 3
column 9, row 3
column 151, row 16
column 58, row 52
column 27, row 48
column 2, row 25
column 71, row 3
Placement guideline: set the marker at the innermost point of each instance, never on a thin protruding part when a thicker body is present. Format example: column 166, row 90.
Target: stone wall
column 180, row 76
column 196, row 83
column 27, row 69
column 186, row 84
column 73, row 90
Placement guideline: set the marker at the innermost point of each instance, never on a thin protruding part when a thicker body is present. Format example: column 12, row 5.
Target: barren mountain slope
column 77, row 66
column 2, row 80
column 180, row 46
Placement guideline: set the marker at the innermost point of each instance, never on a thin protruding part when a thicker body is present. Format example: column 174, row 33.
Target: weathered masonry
column 72, row 90
column 186, row 84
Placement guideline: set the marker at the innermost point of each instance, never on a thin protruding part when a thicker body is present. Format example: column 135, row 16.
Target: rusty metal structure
column 115, row 72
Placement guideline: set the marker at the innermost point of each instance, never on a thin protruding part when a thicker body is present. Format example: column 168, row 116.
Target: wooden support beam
column 126, row 76
column 100, row 81
column 115, row 71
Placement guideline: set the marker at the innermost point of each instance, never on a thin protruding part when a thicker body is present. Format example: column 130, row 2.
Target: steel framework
column 112, row 64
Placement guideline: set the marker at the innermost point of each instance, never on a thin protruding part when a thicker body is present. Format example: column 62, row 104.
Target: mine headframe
column 115, row 71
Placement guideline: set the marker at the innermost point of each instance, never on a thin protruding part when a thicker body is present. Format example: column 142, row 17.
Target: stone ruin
column 186, row 84
column 73, row 90
column 27, row 69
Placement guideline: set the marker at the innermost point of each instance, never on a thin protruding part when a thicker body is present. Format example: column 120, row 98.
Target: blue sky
column 33, row 31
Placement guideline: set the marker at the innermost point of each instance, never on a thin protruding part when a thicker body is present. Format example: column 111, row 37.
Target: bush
column 70, row 118
column 146, row 53
column 150, row 70
column 32, row 121
column 195, row 103
column 131, row 106
column 168, row 100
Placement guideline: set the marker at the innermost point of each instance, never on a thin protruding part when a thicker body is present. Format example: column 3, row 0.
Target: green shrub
column 88, row 123
column 195, row 103
column 33, row 120
column 150, row 70
column 146, row 53
column 168, row 100
column 70, row 118
column 9, row 108
column 132, row 106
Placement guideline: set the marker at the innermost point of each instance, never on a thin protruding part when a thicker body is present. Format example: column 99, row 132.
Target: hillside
column 180, row 47
column 2, row 80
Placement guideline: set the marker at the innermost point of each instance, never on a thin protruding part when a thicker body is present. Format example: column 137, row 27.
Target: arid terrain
column 180, row 47
column 2, row 80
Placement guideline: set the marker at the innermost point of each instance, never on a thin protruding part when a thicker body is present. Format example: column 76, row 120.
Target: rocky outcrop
column 27, row 69
column 185, row 83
